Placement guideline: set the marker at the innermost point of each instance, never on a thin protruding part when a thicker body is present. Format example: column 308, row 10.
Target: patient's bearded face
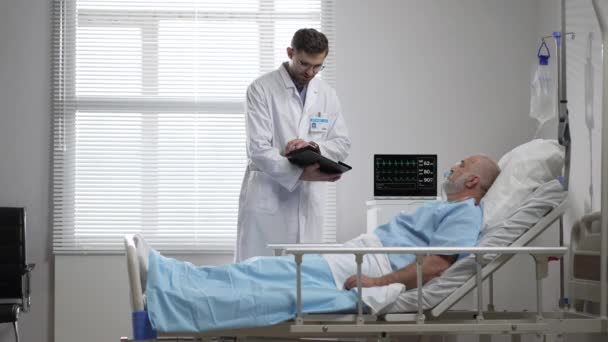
column 453, row 186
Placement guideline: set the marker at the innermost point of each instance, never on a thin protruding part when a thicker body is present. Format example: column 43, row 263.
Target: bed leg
column 541, row 273
column 384, row 337
column 479, row 282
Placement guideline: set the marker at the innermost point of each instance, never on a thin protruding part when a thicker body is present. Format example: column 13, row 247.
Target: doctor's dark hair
column 310, row 41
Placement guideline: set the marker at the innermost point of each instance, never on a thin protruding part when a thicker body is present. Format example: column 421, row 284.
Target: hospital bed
column 423, row 319
column 429, row 318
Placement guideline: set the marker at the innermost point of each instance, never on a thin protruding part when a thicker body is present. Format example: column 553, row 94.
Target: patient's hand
column 366, row 281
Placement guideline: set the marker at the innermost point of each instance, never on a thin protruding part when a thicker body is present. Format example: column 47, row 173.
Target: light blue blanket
column 261, row 291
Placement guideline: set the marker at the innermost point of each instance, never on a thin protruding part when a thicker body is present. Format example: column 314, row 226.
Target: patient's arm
column 432, row 267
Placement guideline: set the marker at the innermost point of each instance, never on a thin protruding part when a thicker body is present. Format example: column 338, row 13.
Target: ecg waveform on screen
column 405, row 174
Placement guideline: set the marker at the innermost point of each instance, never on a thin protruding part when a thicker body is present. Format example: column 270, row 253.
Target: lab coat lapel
column 294, row 101
column 311, row 99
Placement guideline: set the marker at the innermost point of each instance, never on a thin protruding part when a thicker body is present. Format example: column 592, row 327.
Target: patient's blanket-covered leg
column 182, row 297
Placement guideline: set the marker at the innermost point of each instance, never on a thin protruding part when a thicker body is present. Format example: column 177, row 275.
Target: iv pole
column 563, row 129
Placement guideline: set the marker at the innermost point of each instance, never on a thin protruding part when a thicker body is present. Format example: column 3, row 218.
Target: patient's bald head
column 471, row 178
column 486, row 169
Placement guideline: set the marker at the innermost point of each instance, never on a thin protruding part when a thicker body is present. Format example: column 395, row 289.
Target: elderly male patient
column 262, row 290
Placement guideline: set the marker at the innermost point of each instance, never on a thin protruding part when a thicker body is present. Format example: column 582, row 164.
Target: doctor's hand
column 312, row 173
column 366, row 281
column 294, row 145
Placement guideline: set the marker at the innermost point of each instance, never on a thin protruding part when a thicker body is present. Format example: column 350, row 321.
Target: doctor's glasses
column 304, row 66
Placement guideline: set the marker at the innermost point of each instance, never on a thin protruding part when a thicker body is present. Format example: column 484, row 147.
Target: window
column 148, row 106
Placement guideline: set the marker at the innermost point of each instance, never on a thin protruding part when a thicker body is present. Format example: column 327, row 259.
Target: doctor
column 288, row 109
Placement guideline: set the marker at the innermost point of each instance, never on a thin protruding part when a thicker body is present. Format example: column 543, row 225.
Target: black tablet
column 308, row 155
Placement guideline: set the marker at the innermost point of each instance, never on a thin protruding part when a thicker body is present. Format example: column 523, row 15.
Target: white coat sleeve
column 337, row 143
column 264, row 156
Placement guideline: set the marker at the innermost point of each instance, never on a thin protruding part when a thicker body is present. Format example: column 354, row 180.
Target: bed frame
column 432, row 322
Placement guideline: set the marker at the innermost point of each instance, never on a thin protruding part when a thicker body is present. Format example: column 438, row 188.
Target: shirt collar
column 285, row 76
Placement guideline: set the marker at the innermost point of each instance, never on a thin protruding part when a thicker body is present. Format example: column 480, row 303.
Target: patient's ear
column 472, row 181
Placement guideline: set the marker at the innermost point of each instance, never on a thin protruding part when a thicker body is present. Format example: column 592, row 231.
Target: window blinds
column 148, row 116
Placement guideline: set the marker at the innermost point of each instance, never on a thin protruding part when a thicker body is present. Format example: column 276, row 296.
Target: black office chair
column 14, row 271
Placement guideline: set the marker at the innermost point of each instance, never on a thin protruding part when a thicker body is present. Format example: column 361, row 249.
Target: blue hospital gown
column 436, row 224
column 257, row 292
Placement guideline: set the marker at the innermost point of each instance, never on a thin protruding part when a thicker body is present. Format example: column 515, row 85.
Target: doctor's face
column 303, row 66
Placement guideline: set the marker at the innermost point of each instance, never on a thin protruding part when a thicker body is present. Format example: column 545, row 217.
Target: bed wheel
column 383, row 337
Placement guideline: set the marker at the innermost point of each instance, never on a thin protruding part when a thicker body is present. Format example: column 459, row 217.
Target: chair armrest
column 26, row 301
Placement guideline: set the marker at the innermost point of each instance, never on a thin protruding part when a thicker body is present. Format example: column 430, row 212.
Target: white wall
column 25, row 144
column 444, row 77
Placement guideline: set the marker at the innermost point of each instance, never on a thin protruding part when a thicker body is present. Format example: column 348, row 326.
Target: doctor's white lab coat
column 275, row 206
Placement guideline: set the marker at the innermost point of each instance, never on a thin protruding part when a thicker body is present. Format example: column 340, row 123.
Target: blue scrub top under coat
column 436, row 224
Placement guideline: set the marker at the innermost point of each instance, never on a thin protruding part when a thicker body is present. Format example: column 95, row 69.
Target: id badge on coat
column 319, row 124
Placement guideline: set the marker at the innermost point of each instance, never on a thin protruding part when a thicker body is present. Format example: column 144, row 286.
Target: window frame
column 67, row 103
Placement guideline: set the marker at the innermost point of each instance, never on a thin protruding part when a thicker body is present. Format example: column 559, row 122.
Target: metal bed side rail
column 488, row 270
column 424, row 251
column 279, row 248
column 539, row 254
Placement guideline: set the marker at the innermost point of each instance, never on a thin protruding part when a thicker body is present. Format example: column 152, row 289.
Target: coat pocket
column 262, row 193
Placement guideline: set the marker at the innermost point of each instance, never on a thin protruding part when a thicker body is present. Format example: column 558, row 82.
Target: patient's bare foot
column 143, row 251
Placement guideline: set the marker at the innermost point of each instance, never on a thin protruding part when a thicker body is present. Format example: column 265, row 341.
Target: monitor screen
column 405, row 175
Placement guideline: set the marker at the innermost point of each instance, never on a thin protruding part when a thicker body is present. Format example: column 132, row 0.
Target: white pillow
column 523, row 170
